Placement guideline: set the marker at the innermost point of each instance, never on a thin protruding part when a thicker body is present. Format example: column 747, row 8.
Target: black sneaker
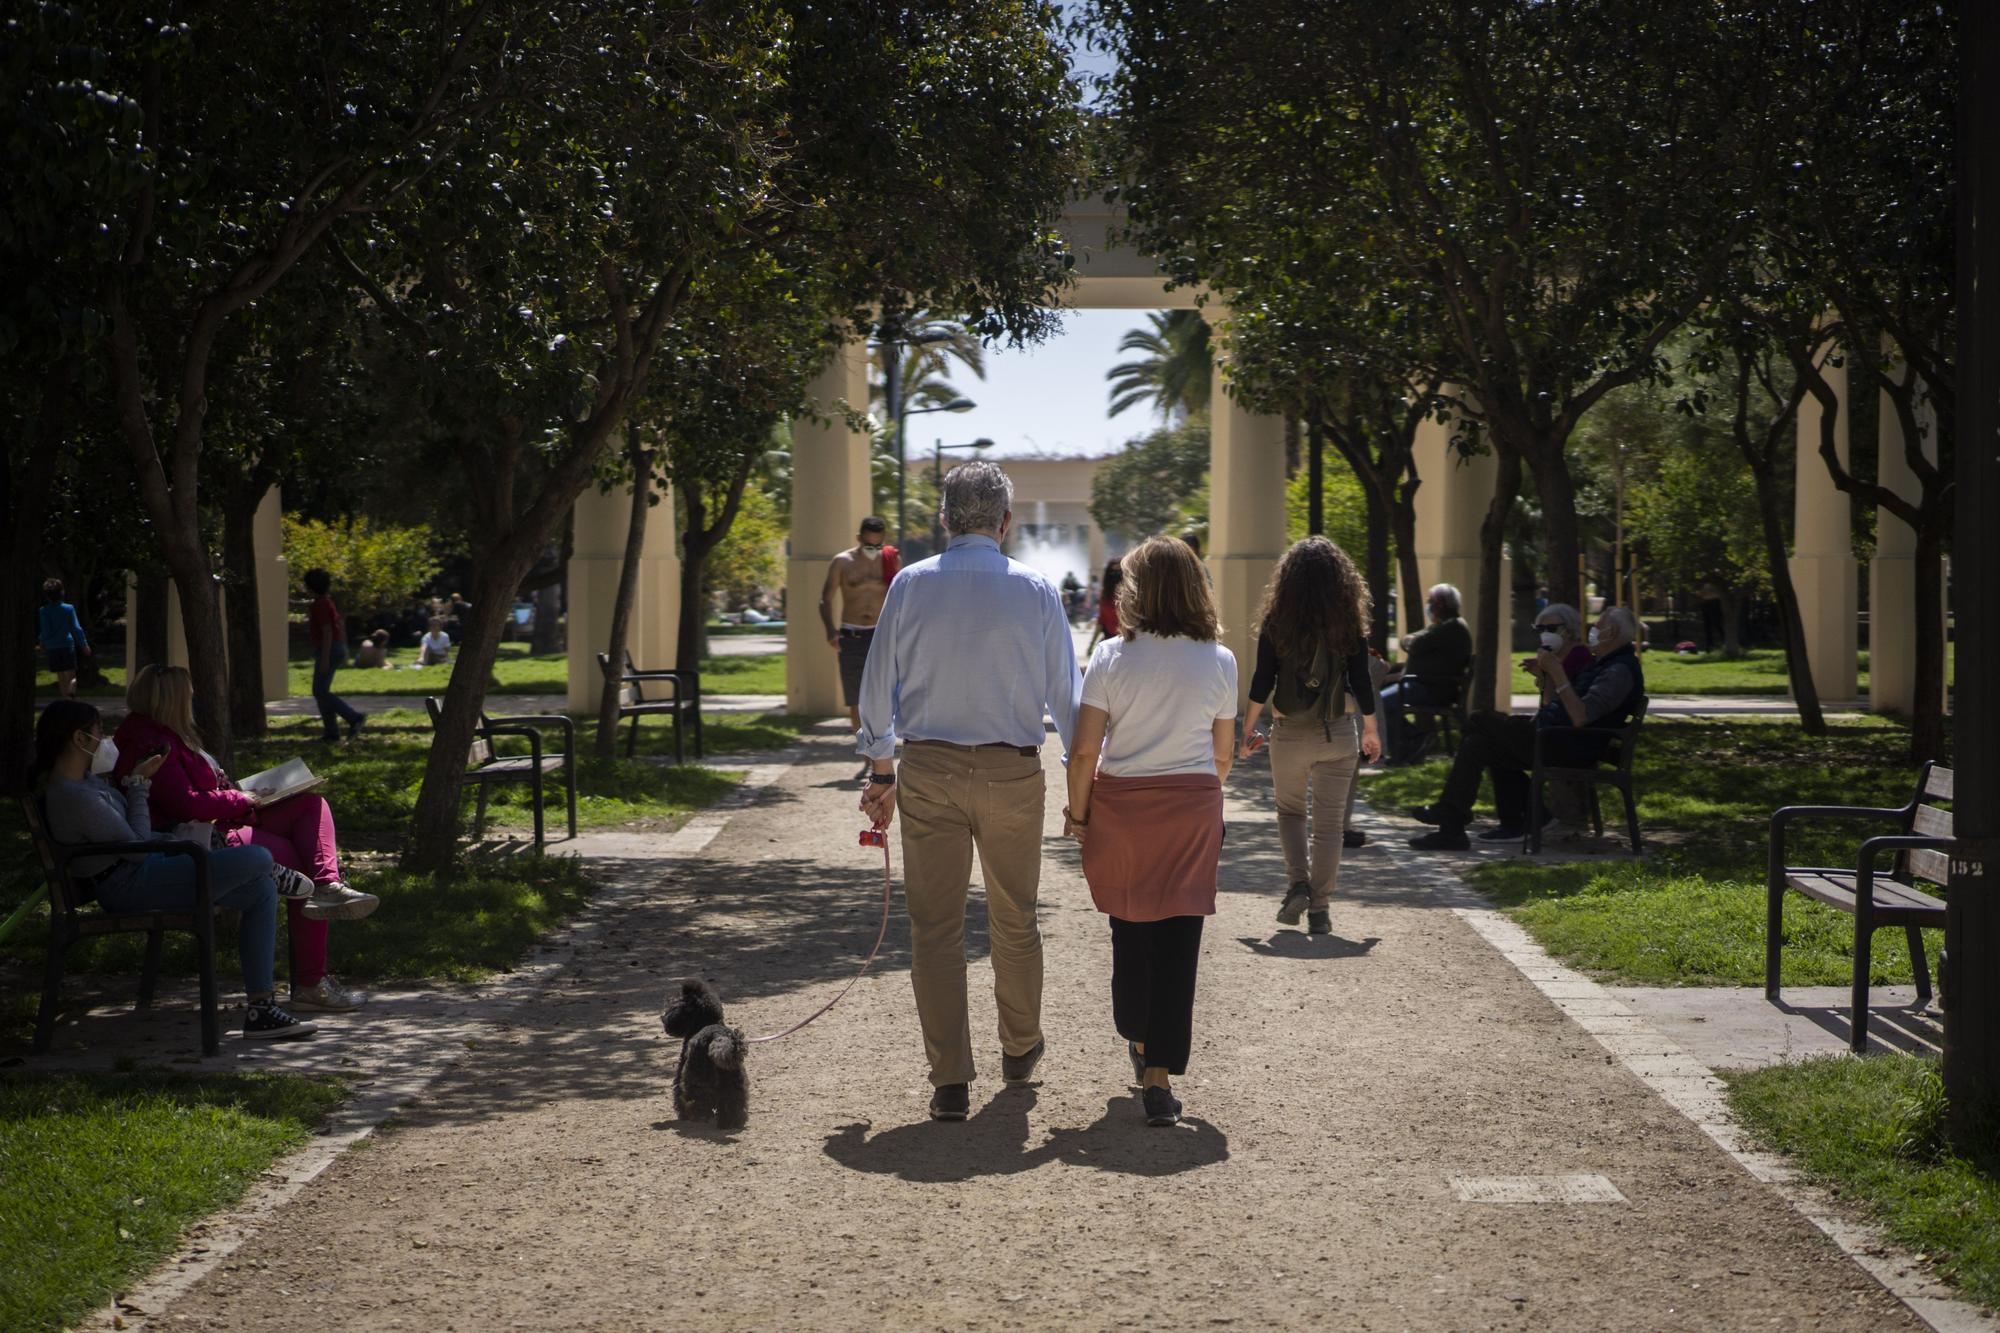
column 1442, row 840
column 267, row 1022
column 1138, row 1062
column 1319, row 923
column 1502, row 833
column 1162, row 1107
column 354, row 727
column 1354, row 837
column 1018, row 1069
column 1295, row 902
column 951, row 1101
column 1426, row 814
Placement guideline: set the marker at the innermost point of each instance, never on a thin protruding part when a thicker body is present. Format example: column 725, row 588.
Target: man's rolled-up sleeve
column 879, row 682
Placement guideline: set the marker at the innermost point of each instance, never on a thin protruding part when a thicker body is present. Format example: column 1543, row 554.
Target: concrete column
column 1246, row 518
column 1892, row 575
column 1451, row 504
column 830, row 497
column 1822, row 564
column 273, row 583
column 602, row 522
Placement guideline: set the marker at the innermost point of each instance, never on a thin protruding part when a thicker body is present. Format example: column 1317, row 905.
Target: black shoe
column 1502, row 833
column 1354, row 837
column 951, row 1101
column 1426, row 814
column 267, row 1022
column 1295, row 902
column 1442, row 840
column 1018, row 1069
column 1319, row 923
column 1162, row 1107
column 354, row 727
column 1138, row 1062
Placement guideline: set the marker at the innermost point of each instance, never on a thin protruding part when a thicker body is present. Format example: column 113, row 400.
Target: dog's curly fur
column 709, row 1081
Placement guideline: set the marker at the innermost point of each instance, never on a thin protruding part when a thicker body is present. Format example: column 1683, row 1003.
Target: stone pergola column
column 830, row 496
column 1246, row 518
column 602, row 522
column 1451, row 504
column 1822, row 564
column 1892, row 574
column 270, row 577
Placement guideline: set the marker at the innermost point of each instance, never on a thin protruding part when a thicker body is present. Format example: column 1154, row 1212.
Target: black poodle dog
column 709, row 1081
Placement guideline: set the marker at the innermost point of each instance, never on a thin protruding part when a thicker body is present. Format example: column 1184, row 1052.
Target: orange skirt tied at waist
column 1152, row 846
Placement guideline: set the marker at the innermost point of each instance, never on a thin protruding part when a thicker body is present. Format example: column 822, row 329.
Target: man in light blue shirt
column 971, row 651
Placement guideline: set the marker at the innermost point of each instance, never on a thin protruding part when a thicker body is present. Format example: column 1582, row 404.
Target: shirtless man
column 862, row 577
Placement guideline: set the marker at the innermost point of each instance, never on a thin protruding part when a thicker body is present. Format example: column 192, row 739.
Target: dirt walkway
column 1339, row 1087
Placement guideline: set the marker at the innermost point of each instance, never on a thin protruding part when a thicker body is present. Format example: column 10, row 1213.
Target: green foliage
column 1144, row 489
column 1344, row 503
column 101, row 1173
column 748, row 563
column 1849, row 1124
column 375, row 566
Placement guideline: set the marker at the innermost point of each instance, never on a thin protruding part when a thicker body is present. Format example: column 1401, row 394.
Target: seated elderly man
column 1431, row 657
column 1604, row 694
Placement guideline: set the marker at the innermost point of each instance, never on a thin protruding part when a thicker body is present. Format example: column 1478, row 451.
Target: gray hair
column 1565, row 614
column 1625, row 623
column 1446, row 597
column 975, row 498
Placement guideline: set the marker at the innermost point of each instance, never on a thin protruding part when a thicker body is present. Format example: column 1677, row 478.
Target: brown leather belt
column 1025, row 751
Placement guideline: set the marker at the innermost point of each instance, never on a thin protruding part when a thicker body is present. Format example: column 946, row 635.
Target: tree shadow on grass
column 994, row 1142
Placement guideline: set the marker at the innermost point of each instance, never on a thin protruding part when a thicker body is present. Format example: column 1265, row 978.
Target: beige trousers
column 1308, row 767
column 951, row 800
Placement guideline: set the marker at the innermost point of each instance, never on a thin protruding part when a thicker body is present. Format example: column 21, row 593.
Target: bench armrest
column 530, row 734
column 1781, row 818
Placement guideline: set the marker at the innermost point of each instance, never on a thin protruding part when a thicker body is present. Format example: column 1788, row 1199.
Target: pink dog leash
column 879, row 839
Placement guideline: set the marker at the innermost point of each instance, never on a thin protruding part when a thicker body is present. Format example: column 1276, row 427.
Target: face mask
column 105, row 757
column 1552, row 640
column 1593, row 636
column 870, row 552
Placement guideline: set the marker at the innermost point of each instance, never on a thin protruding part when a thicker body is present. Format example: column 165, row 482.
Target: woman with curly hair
column 1312, row 659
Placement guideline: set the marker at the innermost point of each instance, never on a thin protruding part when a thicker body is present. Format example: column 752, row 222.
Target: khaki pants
column 1305, row 763
column 952, row 800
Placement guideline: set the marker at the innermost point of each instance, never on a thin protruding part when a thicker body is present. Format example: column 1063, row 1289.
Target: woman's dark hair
column 60, row 721
column 1315, row 595
column 1114, row 574
column 317, row 581
column 52, row 590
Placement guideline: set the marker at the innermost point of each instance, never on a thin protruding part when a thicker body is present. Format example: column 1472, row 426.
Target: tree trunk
column 244, row 628
column 547, row 636
column 1379, row 592
column 1732, row 623
column 621, row 604
column 1927, row 718
column 1804, row 693
column 25, row 502
column 1403, row 524
column 690, row 648
column 201, row 625
column 1486, row 631
column 1561, row 536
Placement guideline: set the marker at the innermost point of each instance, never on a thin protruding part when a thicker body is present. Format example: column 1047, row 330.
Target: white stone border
column 211, row 1240
column 1686, row 1084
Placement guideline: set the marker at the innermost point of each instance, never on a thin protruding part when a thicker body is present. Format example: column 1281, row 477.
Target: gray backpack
column 1314, row 689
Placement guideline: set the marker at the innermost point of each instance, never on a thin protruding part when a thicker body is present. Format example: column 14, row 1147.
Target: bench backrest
column 1930, row 822
column 481, row 749
column 64, row 895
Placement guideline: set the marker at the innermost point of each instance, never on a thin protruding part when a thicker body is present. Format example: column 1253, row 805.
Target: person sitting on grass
column 374, row 650
column 1604, row 694
column 435, row 650
column 191, row 789
column 74, row 761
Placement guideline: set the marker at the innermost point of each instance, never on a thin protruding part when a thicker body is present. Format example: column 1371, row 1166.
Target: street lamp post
column 892, row 339
column 937, row 482
column 960, row 404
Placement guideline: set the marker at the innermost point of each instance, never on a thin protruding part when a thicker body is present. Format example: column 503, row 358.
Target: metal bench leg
column 1631, row 815
column 1531, row 837
column 479, row 813
column 696, row 712
column 680, row 755
column 149, row 978
column 536, row 784
column 1774, row 935
column 632, row 738
column 569, row 778
column 45, row 1017
column 1858, row 1039
column 1918, row 965
column 1596, row 811
column 204, row 947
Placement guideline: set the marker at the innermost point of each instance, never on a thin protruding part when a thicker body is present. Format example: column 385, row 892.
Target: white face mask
column 1593, row 636
column 870, row 552
column 105, row 757
column 1552, row 640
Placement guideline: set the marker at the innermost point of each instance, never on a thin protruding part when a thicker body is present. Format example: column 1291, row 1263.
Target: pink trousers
column 299, row 833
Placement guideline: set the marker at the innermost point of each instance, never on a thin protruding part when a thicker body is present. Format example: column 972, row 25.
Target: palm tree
column 933, row 344
column 1174, row 373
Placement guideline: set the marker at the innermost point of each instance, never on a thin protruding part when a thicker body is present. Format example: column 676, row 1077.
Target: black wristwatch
column 882, row 779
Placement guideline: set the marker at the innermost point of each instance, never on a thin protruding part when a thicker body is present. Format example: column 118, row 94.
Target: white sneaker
column 325, row 996
column 293, row 886
column 334, row 901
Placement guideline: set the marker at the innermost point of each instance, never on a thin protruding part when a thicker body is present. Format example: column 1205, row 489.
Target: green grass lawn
column 1870, row 1129
column 100, row 1174
column 1692, row 913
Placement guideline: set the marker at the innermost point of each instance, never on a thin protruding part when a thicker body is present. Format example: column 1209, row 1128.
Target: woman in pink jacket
column 191, row 788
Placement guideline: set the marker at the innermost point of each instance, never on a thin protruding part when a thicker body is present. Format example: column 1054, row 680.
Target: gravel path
column 1338, row 1087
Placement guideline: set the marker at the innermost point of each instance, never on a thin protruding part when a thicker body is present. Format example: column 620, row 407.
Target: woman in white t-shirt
column 1159, row 713
column 434, row 649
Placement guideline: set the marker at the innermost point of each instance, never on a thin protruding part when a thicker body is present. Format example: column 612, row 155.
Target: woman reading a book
column 194, row 797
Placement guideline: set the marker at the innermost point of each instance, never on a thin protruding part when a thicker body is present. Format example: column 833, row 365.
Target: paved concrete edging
column 211, row 1240
column 1688, row 1086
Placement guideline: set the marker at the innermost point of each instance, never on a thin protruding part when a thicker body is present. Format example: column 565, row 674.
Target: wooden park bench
column 487, row 767
column 72, row 918
column 681, row 703
column 1446, row 719
column 1614, row 769
column 1874, row 900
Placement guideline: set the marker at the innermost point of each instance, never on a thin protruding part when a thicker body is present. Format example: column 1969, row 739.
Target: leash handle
column 866, row 963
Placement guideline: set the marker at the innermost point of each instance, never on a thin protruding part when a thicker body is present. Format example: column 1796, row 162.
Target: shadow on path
column 1295, row 944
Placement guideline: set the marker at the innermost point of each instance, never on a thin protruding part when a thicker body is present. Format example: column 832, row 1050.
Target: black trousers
column 1504, row 745
column 1152, row 986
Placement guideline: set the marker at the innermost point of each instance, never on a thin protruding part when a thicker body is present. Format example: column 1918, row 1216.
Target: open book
column 276, row 784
